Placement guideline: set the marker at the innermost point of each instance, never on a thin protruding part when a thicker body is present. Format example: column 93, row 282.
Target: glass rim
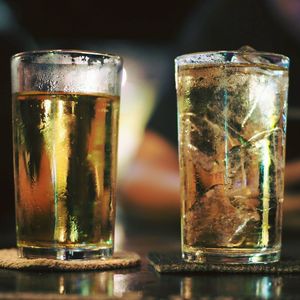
column 183, row 59
column 67, row 52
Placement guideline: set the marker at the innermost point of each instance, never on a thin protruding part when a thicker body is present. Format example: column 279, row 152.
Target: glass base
column 225, row 256
column 64, row 254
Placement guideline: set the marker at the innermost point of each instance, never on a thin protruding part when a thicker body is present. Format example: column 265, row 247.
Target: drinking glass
column 232, row 109
column 65, row 133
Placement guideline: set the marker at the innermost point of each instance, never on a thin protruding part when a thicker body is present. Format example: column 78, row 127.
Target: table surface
column 144, row 283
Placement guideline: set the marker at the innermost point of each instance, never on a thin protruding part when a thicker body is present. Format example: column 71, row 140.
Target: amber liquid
column 65, row 151
column 232, row 154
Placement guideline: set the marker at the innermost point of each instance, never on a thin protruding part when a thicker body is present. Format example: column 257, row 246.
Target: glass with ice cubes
column 232, row 108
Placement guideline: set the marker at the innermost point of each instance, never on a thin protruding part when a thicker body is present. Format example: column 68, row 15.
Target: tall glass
column 65, row 125
column 232, row 109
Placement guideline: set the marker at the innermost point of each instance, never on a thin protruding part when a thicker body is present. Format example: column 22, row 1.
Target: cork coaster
column 9, row 260
column 173, row 263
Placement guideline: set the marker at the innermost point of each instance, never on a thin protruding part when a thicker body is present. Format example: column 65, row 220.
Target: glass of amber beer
column 65, row 133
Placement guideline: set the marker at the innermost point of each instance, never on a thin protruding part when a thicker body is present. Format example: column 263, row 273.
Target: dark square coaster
column 173, row 263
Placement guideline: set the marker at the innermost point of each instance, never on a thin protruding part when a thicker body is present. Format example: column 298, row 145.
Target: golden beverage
column 65, row 151
column 232, row 120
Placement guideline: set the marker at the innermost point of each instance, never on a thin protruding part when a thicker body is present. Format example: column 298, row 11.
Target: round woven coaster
column 9, row 260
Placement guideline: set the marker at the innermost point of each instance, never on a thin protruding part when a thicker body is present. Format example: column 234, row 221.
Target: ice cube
column 246, row 48
column 214, row 221
column 247, row 54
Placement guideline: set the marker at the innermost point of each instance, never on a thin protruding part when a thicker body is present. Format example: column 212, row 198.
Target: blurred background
column 148, row 35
